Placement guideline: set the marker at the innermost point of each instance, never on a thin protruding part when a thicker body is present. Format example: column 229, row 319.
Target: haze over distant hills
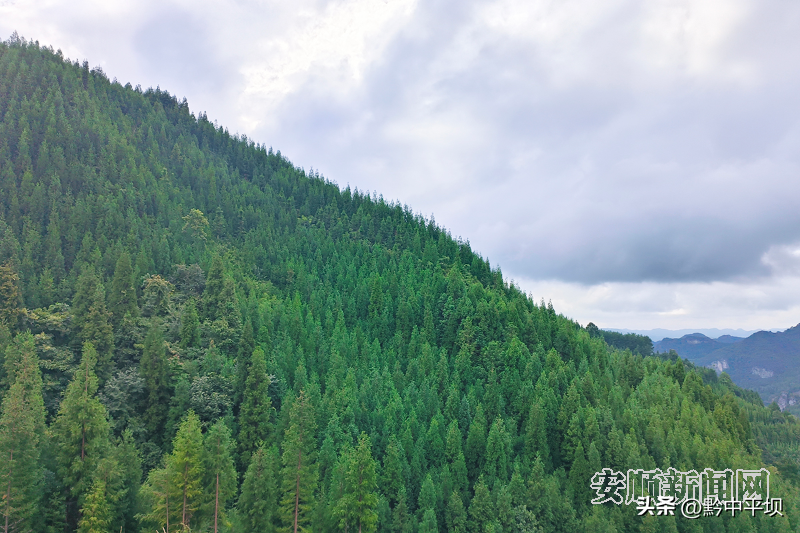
column 714, row 333
column 694, row 345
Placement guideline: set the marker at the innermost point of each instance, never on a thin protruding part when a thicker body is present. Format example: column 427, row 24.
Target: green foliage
column 81, row 429
column 122, row 299
column 96, row 512
column 255, row 416
column 257, row 504
column 220, row 474
column 10, row 296
column 303, row 316
column 299, row 474
column 154, row 370
column 91, row 319
column 21, row 441
column 358, row 501
column 190, row 326
column 80, row 432
column 185, row 472
column 638, row 344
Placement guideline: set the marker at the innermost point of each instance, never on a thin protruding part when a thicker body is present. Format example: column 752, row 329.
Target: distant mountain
column 728, row 339
column 713, row 333
column 694, row 345
column 767, row 362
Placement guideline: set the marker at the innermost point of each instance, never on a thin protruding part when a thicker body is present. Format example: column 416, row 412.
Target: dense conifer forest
column 197, row 335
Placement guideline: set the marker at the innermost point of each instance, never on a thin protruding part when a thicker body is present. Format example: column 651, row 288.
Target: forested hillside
column 197, row 335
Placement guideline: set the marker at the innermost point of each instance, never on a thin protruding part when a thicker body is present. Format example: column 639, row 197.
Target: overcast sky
column 637, row 163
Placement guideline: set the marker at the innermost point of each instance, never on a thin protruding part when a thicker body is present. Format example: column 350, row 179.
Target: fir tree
column 258, row 502
column 80, row 431
column 455, row 514
column 356, row 506
column 299, row 473
column 21, row 474
column 128, row 460
column 185, row 472
column 476, row 443
column 91, row 319
column 154, row 371
column 213, row 291
column 122, row 300
column 481, row 508
column 10, row 296
column 96, row 511
column 256, row 412
column 154, row 497
column 190, row 326
column 220, row 474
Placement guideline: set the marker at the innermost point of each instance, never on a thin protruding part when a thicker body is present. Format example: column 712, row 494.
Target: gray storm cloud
column 623, row 171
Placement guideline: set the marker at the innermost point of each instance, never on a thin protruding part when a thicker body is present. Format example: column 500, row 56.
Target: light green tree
column 258, row 501
column 356, row 506
column 220, row 473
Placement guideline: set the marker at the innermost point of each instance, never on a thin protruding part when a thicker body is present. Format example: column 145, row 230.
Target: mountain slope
column 766, row 362
column 269, row 350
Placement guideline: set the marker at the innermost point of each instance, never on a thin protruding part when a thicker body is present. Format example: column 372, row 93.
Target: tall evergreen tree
column 256, row 412
column 186, row 471
column 213, row 291
column 258, row 502
column 21, row 440
column 154, row 370
column 80, row 432
column 91, row 319
column 356, row 506
column 154, row 498
column 96, row 512
column 190, row 326
column 455, row 514
column 299, row 474
column 10, row 295
column 128, row 460
column 220, row 474
column 476, row 443
column 122, row 299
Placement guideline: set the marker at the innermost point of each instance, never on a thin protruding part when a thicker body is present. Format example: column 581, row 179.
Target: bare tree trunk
column 297, row 490
column 185, row 476
column 8, row 492
column 216, row 505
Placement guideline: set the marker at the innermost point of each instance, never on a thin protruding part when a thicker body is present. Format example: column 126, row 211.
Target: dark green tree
column 21, row 441
column 190, row 326
column 255, row 415
column 91, row 319
column 122, row 298
column 80, row 433
column 10, row 296
column 155, row 372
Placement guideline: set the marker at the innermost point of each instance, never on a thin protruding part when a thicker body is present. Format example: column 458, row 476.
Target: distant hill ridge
column 694, row 345
column 767, row 362
column 713, row 333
